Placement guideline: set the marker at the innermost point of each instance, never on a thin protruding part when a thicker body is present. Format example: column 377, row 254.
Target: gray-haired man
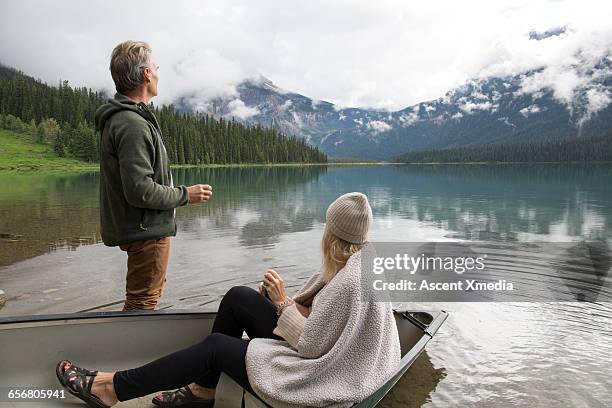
column 137, row 195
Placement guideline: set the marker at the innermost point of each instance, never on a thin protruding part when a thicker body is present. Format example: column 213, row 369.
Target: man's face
column 152, row 76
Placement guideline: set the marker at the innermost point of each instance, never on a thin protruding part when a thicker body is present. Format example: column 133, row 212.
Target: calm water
column 486, row 354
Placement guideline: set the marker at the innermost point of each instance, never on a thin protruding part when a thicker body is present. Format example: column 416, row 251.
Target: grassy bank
column 20, row 152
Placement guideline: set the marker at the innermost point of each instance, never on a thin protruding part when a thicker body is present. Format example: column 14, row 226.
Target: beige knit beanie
column 350, row 217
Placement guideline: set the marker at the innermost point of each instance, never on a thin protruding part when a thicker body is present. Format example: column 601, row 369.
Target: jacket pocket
column 144, row 219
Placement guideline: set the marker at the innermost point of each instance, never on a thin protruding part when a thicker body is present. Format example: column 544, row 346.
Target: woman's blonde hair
column 336, row 252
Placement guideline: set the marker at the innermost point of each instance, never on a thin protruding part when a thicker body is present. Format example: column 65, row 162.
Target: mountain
column 482, row 111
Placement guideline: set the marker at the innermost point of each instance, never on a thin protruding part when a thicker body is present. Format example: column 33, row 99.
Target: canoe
column 31, row 347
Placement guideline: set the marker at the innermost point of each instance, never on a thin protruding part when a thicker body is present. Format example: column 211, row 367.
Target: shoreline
column 95, row 167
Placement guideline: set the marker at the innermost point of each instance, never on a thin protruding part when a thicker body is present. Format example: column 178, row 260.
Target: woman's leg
column 241, row 309
column 244, row 309
column 217, row 353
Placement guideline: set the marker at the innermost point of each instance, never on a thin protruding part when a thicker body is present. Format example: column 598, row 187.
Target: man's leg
column 146, row 275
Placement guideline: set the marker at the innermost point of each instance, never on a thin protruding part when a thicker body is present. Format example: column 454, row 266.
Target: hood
column 118, row 103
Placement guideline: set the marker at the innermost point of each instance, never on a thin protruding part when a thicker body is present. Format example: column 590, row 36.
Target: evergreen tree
column 58, row 145
column 189, row 139
column 84, row 144
column 48, row 129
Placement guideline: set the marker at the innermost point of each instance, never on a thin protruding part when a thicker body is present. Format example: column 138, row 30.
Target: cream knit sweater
column 343, row 352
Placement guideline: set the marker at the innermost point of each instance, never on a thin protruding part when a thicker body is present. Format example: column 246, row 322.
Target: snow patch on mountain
column 410, row 118
column 553, row 32
column 378, row 126
column 470, row 107
column 529, row 110
column 506, row 121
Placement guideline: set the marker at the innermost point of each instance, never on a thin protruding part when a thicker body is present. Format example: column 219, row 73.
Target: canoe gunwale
column 93, row 315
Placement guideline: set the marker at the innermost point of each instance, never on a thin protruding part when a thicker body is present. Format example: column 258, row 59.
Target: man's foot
column 93, row 387
column 193, row 395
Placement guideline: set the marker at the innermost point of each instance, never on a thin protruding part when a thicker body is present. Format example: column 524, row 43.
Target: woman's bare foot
column 102, row 386
column 198, row 392
column 104, row 389
column 202, row 392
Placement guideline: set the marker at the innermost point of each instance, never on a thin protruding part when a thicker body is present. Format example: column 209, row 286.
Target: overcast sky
column 382, row 54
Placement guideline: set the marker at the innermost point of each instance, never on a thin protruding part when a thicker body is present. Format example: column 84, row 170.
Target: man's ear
column 147, row 74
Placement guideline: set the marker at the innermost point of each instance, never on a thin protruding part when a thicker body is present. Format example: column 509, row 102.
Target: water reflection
column 41, row 213
column 585, row 269
column 415, row 387
column 257, row 204
column 506, row 203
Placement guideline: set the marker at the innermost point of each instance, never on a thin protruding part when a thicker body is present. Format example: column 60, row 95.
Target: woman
column 329, row 345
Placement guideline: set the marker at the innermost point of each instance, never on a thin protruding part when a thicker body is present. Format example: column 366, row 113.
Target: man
column 137, row 195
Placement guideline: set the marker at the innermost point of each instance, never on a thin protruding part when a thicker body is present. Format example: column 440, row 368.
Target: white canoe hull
column 30, row 347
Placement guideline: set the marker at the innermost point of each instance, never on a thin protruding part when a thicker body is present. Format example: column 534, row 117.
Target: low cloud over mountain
column 529, row 106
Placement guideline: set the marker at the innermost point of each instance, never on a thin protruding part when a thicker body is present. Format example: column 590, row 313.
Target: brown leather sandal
column 74, row 380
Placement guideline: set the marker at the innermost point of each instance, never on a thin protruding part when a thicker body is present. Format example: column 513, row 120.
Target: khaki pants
column 146, row 274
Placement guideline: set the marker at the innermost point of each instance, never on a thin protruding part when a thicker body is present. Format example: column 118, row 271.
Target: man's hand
column 275, row 286
column 199, row 193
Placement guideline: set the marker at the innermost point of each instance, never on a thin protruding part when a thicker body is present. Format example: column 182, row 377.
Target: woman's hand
column 275, row 286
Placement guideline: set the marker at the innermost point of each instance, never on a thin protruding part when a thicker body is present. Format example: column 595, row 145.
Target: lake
column 486, row 354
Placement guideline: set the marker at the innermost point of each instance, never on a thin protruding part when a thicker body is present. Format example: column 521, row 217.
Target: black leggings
column 242, row 309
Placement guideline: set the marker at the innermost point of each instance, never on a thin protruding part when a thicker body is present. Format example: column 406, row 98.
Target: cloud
column 385, row 54
column 240, row 110
column 571, row 82
column 597, row 99
column 286, row 105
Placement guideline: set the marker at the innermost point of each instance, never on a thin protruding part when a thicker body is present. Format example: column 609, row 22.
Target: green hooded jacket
column 137, row 196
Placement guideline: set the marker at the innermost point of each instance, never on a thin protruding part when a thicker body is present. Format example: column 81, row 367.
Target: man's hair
column 127, row 62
